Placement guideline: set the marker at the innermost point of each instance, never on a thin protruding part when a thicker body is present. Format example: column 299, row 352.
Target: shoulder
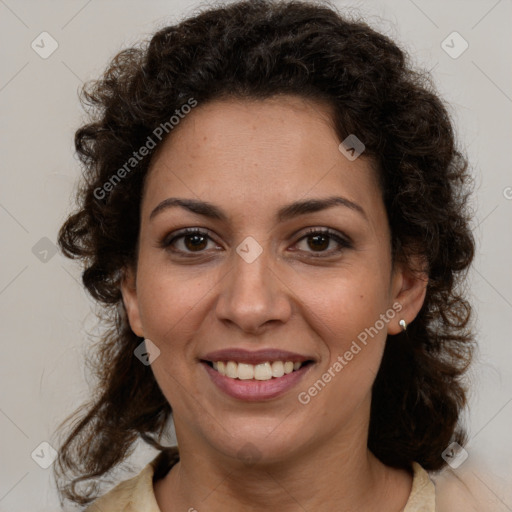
column 137, row 493
column 469, row 488
column 422, row 496
column 129, row 495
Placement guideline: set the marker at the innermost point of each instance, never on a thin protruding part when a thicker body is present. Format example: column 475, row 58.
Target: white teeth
column 232, row 370
column 245, row 371
column 277, row 369
column 262, row 371
column 288, row 367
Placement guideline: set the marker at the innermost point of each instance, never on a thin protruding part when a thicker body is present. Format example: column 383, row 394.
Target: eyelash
column 343, row 243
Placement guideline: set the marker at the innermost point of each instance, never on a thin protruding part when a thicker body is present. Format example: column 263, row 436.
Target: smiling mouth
column 262, row 371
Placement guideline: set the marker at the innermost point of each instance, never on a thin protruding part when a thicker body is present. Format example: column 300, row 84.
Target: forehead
column 254, row 153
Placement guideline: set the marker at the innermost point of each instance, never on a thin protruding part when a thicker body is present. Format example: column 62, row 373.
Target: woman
column 273, row 216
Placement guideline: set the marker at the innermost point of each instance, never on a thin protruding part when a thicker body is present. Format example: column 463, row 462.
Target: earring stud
column 403, row 324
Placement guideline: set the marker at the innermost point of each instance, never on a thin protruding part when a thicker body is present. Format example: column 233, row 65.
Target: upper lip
column 239, row 355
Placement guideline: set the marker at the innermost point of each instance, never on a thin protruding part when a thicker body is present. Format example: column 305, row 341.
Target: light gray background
column 45, row 312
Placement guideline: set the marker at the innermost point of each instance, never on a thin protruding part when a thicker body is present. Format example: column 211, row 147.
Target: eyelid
column 335, row 234
column 166, row 241
column 343, row 240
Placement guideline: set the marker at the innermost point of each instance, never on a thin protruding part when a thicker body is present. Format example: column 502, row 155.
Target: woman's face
column 255, row 287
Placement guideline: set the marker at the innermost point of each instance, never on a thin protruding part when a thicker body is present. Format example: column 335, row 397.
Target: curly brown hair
column 256, row 50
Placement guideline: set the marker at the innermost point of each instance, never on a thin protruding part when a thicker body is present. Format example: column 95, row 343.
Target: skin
column 250, row 158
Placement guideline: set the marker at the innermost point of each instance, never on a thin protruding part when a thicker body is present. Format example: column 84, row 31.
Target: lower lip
column 256, row 390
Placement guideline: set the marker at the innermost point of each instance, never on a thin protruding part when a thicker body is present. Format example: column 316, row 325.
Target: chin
column 259, row 446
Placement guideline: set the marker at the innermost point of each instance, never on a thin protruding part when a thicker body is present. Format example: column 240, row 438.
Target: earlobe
column 410, row 291
column 130, row 301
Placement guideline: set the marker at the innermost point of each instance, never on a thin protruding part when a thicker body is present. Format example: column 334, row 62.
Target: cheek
column 173, row 305
column 167, row 300
column 349, row 304
column 168, row 305
column 350, row 324
column 352, row 317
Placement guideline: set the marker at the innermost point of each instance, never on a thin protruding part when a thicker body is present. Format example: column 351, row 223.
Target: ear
column 409, row 288
column 131, row 304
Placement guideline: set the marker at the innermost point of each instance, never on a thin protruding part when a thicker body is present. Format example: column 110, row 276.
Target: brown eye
column 192, row 241
column 318, row 241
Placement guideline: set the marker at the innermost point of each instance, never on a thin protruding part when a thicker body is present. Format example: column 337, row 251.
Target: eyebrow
column 284, row 213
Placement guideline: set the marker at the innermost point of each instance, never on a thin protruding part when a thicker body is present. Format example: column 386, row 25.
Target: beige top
column 137, row 494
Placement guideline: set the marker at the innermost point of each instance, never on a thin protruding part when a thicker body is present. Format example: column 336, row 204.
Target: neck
column 326, row 476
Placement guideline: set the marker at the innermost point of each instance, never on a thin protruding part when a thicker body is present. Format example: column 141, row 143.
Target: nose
column 252, row 294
